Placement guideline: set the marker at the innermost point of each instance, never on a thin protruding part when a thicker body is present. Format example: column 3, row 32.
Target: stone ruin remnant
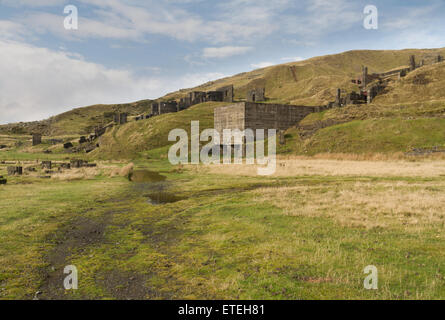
column 65, row 165
column 68, row 145
column 227, row 93
column 120, row 118
column 338, row 100
column 365, row 77
column 12, row 171
column 82, row 140
column 355, row 98
column 3, row 180
column 36, row 139
column 257, row 94
column 77, row 163
column 282, row 137
column 158, row 108
column 439, row 58
column 47, row 165
column 412, row 63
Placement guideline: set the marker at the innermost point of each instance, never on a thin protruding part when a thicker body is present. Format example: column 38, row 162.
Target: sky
column 129, row 50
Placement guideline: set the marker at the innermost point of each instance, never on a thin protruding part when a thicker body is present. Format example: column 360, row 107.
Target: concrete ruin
column 120, row 118
column 412, row 63
column 82, row 140
column 249, row 115
column 158, row 108
column 12, row 171
column 75, row 164
column 223, row 94
column 256, row 95
column 65, row 166
column 36, row 139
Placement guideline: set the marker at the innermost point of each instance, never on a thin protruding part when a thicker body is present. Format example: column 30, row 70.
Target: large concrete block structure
column 249, row 115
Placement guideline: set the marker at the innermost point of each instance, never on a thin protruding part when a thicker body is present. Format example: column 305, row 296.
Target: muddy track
column 80, row 236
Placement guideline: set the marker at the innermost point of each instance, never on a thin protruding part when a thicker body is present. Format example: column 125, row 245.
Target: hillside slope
column 314, row 81
column 311, row 82
column 79, row 121
column 128, row 140
column 398, row 120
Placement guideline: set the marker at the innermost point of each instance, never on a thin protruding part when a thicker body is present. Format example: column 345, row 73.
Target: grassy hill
column 136, row 137
column 79, row 121
column 399, row 119
column 407, row 115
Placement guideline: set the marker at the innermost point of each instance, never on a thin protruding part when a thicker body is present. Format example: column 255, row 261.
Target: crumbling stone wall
column 12, row 171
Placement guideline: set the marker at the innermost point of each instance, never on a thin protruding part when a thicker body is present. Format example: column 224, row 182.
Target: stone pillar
column 412, row 63
column 365, row 77
column 282, row 137
column 338, row 98
column 36, row 139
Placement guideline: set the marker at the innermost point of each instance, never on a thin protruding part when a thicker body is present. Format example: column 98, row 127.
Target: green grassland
column 298, row 236
column 234, row 237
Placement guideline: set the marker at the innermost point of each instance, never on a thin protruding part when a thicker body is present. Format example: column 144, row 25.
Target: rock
column 68, row 145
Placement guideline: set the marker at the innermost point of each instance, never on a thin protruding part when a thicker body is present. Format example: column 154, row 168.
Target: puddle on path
column 146, row 176
column 155, row 185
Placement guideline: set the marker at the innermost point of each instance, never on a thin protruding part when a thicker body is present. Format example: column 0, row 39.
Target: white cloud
column 11, row 30
column 224, row 52
column 292, row 59
column 119, row 19
column 266, row 64
column 262, row 65
column 37, row 83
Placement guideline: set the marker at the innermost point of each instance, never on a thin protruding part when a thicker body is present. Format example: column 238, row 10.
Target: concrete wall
column 249, row 115
column 275, row 116
column 230, row 117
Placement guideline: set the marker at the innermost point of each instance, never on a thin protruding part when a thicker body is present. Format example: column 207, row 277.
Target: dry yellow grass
column 77, row 174
column 327, row 167
column 364, row 204
column 122, row 172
